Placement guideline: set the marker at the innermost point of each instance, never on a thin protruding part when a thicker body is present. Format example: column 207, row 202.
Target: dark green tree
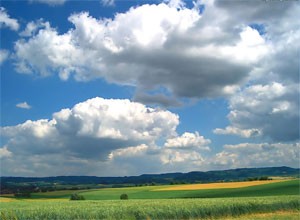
column 124, row 196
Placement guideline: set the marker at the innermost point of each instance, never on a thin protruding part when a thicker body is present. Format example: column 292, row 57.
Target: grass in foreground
column 150, row 209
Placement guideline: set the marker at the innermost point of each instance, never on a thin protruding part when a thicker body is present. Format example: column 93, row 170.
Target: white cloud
column 179, row 154
column 247, row 133
column 185, row 52
column 97, row 137
column 270, row 110
column 49, row 2
column 116, row 119
column 175, row 3
column 32, row 28
column 155, row 159
column 47, row 42
column 183, row 160
column 4, row 152
column 251, row 48
column 3, row 55
column 120, row 137
column 269, row 104
column 90, row 130
column 258, row 155
column 177, row 49
column 23, row 105
column 6, row 21
column 188, row 140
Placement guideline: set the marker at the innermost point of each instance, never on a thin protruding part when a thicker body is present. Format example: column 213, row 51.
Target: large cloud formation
column 93, row 128
column 92, row 132
column 268, row 106
column 107, row 137
column 270, row 110
column 257, row 155
column 177, row 49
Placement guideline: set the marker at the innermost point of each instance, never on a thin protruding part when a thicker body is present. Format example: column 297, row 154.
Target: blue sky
column 112, row 88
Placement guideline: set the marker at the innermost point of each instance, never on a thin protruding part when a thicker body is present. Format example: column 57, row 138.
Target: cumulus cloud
column 247, row 133
column 180, row 153
column 90, row 130
column 175, row 3
column 49, row 2
column 94, row 127
column 32, row 28
column 141, row 159
column 157, row 159
column 97, row 137
column 269, row 104
column 117, row 119
column 188, row 140
column 270, row 110
column 177, row 50
column 6, row 21
column 3, row 56
column 4, row 152
column 186, row 52
column 258, row 155
column 23, row 105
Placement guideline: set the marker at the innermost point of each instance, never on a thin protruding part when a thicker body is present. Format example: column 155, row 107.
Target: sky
column 115, row 88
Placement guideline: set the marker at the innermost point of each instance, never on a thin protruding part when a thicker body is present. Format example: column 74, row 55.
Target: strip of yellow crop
column 227, row 185
column 46, row 200
column 4, row 199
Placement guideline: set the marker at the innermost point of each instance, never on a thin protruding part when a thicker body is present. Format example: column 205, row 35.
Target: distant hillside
column 167, row 178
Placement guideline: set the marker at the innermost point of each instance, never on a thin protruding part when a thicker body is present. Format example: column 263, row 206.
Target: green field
column 147, row 192
column 148, row 209
column 144, row 203
column 282, row 188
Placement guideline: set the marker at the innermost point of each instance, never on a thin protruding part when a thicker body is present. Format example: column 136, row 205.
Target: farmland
column 153, row 209
column 157, row 192
column 227, row 185
column 269, row 188
column 278, row 200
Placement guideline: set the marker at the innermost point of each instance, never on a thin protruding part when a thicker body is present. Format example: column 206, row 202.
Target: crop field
column 275, row 200
column 149, row 208
column 156, row 192
column 290, row 187
column 228, row 185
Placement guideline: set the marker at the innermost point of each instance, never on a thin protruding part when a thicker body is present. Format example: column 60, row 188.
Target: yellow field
column 227, row 185
column 5, row 199
column 278, row 215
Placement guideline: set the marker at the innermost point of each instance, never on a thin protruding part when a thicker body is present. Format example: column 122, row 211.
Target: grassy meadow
column 273, row 200
column 148, row 209
column 270, row 188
